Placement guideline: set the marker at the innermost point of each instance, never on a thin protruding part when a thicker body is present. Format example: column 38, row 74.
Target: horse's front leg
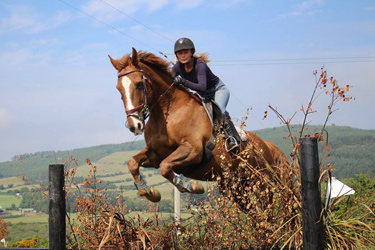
column 145, row 158
column 186, row 154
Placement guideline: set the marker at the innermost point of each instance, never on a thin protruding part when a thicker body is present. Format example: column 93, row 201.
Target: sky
column 57, row 85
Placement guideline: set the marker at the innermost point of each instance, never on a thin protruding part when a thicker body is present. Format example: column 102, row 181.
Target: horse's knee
column 133, row 166
column 196, row 156
column 165, row 169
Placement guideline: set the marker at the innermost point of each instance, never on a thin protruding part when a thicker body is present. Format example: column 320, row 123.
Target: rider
column 194, row 73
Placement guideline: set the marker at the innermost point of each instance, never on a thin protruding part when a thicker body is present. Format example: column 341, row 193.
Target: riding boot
column 233, row 140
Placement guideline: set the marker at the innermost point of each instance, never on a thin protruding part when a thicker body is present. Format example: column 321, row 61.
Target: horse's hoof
column 196, row 187
column 155, row 195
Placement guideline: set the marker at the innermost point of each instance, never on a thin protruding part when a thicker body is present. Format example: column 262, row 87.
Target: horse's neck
column 160, row 87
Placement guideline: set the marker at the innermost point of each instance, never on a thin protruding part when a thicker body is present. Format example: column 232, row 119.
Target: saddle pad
column 241, row 133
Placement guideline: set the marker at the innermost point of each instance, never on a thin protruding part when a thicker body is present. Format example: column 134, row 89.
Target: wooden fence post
column 57, row 209
column 312, row 225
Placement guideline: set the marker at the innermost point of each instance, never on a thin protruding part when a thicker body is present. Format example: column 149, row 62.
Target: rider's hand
column 179, row 80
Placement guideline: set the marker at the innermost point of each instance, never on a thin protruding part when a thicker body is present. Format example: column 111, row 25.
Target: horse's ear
column 115, row 63
column 135, row 59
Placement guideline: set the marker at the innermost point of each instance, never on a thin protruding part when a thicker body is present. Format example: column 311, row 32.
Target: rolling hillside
column 352, row 152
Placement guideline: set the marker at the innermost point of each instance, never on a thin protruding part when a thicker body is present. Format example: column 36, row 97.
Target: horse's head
column 132, row 86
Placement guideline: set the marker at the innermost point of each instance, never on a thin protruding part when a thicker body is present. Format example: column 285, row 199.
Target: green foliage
column 350, row 149
column 19, row 231
column 364, row 187
column 31, row 243
column 350, row 220
column 35, row 200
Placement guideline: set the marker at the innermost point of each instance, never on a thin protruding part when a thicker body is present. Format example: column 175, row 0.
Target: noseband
column 143, row 106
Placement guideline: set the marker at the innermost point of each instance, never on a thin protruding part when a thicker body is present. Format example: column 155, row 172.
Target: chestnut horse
column 177, row 129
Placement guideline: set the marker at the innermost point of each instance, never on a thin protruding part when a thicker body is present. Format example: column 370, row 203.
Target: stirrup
column 231, row 141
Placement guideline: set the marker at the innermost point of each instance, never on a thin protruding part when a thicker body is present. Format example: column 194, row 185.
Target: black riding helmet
column 184, row 43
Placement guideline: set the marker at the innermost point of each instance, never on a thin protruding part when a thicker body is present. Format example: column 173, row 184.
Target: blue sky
column 57, row 86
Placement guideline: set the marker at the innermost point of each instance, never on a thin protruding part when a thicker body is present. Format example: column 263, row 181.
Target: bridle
column 145, row 111
column 143, row 106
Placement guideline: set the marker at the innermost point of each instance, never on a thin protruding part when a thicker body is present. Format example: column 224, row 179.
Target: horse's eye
column 139, row 85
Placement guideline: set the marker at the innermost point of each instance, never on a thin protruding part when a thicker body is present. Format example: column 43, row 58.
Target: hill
column 352, row 152
column 35, row 165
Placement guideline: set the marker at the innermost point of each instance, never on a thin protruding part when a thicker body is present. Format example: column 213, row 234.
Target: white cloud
column 26, row 19
column 137, row 27
column 306, row 7
column 15, row 57
column 114, row 10
column 94, row 46
column 19, row 57
column 188, row 4
column 225, row 4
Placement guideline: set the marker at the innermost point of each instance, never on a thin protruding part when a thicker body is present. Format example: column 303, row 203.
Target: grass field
column 15, row 181
column 111, row 164
column 29, row 218
column 6, row 201
column 20, row 231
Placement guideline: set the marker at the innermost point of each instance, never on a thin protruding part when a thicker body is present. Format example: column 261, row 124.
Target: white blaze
column 138, row 124
column 126, row 82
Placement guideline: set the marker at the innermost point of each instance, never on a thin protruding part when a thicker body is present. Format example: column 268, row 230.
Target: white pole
column 177, row 194
column 177, row 209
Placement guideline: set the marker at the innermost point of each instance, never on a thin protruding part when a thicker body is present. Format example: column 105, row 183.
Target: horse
column 177, row 128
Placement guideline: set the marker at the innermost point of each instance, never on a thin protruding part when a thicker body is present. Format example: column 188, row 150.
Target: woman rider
column 194, row 73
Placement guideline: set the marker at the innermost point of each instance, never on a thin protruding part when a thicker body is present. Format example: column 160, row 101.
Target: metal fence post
column 312, row 225
column 57, row 209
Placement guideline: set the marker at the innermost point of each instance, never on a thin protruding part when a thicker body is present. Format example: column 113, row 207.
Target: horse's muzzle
column 135, row 125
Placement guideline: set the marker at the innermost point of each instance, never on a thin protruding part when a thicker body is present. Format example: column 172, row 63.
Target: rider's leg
column 222, row 95
column 233, row 136
column 221, row 98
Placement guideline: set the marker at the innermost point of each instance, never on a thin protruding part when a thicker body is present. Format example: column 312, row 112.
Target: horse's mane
column 146, row 58
column 156, row 61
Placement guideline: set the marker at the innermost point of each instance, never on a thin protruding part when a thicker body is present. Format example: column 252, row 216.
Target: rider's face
column 184, row 55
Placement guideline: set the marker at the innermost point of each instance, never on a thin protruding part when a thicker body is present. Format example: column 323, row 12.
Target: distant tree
column 111, row 186
column 166, row 206
column 24, row 190
column 10, row 185
column 2, row 187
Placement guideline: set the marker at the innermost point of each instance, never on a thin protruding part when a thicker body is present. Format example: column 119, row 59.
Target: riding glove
column 179, row 80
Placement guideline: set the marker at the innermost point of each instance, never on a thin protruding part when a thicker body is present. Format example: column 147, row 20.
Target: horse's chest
column 161, row 143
